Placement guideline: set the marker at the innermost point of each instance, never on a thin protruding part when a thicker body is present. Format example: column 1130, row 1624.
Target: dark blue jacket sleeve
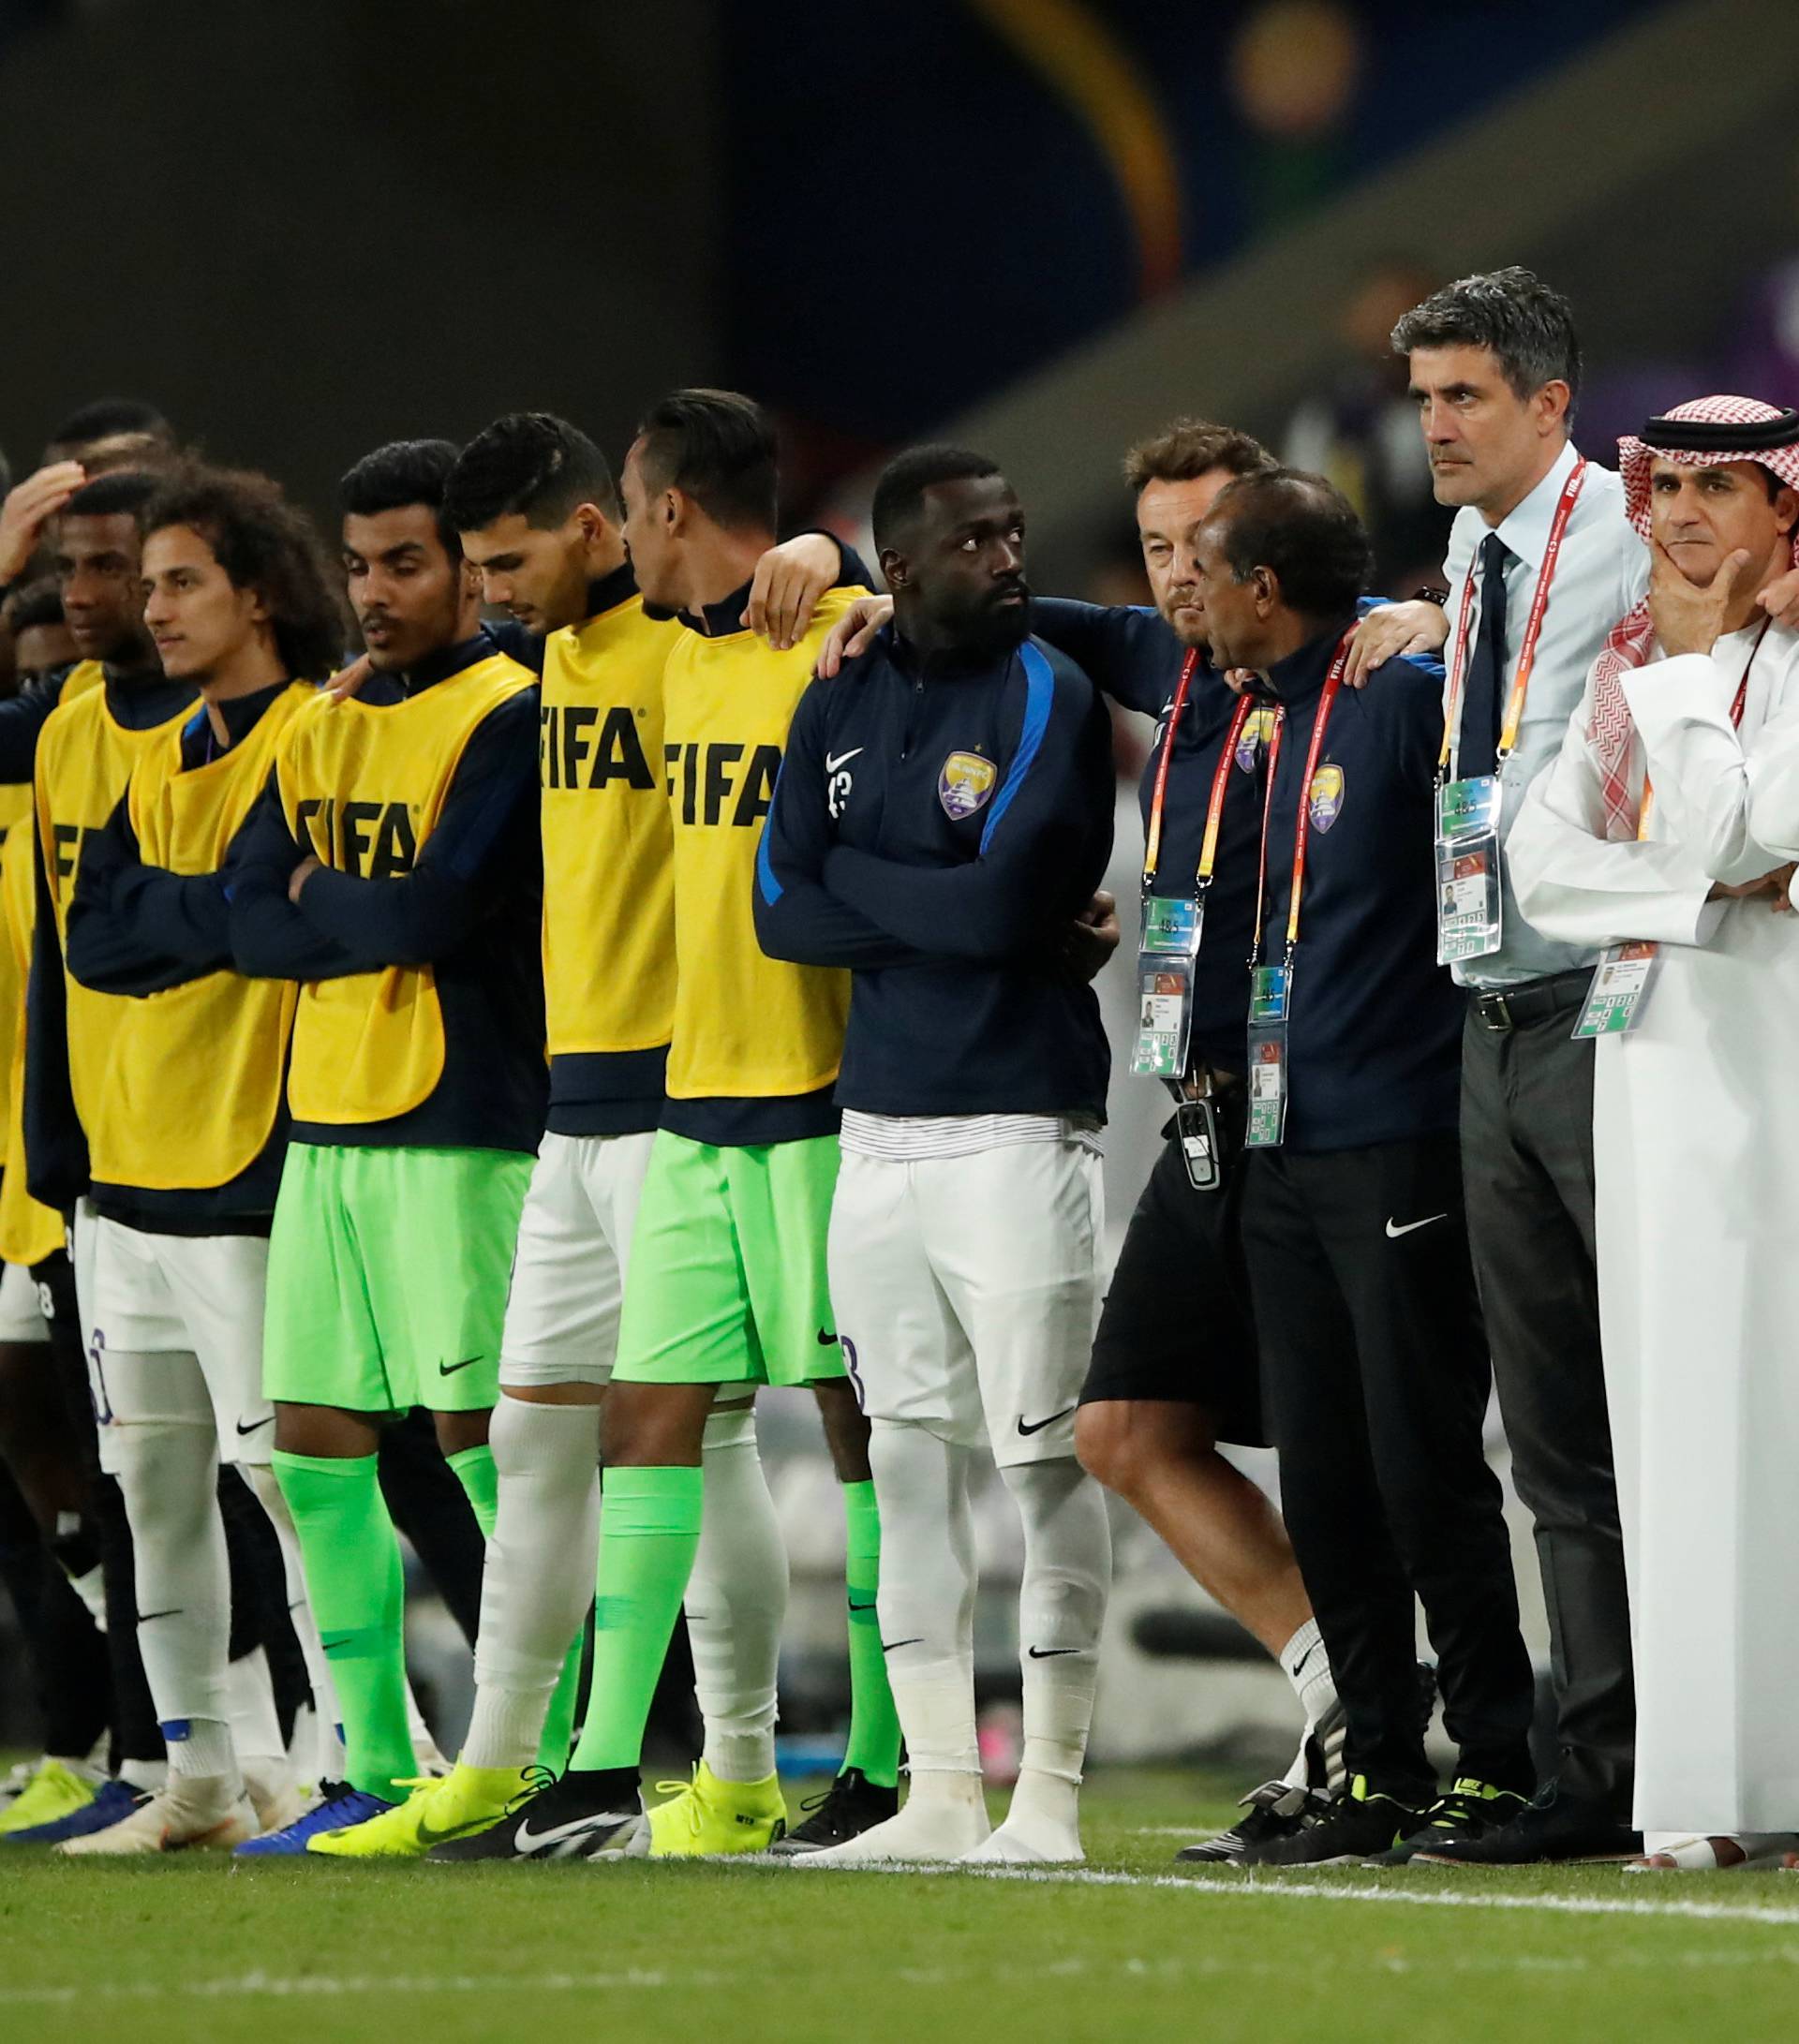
column 271, row 939
column 1127, row 651
column 798, row 918
column 21, row 717
column 56, row 1167
column 1040, row 831
column 427, row 913
column 137, row 929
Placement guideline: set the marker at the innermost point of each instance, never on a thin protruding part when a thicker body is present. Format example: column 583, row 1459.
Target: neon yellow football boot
column 440, row 1807
column 708, row 1816
column 55, row 1790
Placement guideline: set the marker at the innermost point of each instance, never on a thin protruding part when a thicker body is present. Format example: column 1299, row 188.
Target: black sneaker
column 589, row 1813
column 850, row 1806
column 1354, row 1827
column 1553, row 1828
column 1469, row 1811
column 1276, row 1810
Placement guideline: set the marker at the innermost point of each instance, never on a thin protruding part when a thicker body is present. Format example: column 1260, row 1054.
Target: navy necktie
column 1484, row 689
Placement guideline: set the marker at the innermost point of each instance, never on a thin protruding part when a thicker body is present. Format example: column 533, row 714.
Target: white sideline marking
column 1283, row 1888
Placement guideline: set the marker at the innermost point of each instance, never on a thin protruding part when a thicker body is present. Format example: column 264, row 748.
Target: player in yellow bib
column 185, row 1124
column 392, row 869
column 726, row 1286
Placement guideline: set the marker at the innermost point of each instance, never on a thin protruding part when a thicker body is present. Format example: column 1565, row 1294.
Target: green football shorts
column 388, row 1271
column 726, row 1283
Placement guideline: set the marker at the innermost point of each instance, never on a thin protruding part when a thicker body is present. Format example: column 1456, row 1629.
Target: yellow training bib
column 84, row 760
column 363, row 785
column 746, row 1026
column 192, row 1090
column 608, row 847
column 29, row 1230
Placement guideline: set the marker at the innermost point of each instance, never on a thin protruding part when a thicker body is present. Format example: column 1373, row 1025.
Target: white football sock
column 324, row 1760
column 927, row 1595
column 1061, row 1609
column 944, row 1817
column 736, row 1601
column 1306, row 1665
column 249, row 1710
column 539, row 1576
column 168, row 1474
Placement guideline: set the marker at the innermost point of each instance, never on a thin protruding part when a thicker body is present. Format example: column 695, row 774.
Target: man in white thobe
column 1643, row 830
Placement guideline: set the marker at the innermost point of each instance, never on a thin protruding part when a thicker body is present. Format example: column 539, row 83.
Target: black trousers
column 71, row 1674
column 1527, row 1159
column 1375, row 1384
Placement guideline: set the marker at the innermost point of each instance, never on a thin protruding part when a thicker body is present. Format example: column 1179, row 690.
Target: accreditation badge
column 1270, row 989
column 1620, row 986
column 1169, row 944
column 1469, row 898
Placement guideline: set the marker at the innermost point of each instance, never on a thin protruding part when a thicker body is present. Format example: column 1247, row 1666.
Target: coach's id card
column 1469, row 898
column 1270, row 989
column 1171, row 928
column 1620, row 986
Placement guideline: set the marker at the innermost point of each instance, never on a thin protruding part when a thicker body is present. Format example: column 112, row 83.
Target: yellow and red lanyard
column 1526, row 651
column 1302, row 829
column 1220, row 783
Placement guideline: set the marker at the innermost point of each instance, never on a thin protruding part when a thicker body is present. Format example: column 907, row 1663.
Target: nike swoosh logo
column 826, row 1341
column 449, row 1370
column 330, row 1645
column 1037, row 1427
column 1394, row 1231
column 527, row 1840
column 1049, row 1654
column 428, row 1837
column 254, row 1425
column 855, row 1607
column 174, row 1611
column 893, row 1646
column 842, row 759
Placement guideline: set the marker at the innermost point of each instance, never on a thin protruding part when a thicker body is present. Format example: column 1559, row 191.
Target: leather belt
column 1536, row 1001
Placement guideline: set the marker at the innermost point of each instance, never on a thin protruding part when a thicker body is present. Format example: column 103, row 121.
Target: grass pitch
column 197, row 1950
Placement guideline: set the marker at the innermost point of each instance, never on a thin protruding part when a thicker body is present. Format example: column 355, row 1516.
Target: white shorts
column 568, row 1268
column 175, row 1333
column 21, row 1312
column 967, row 1289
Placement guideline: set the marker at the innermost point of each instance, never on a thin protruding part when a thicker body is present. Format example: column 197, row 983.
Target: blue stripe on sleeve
column 1039, row 693
column 771, row 888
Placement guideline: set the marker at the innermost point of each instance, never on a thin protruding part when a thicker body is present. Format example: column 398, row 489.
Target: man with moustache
column 1664, row 832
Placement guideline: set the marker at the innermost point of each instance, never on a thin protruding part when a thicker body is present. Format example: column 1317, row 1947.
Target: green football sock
column 649, row 1533
column 352, row 1562
column 476, row 1474
column 558, row 1725
column 874, row 1725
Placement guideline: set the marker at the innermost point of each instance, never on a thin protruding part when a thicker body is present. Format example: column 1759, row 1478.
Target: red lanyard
column 1220, row 781
column 1303, row 829
column 1533, row 630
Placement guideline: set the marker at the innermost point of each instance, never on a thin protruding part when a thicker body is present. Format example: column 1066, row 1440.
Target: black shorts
column 1177, row 1322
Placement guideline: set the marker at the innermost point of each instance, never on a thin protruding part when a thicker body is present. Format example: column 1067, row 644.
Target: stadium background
column 1042, row 225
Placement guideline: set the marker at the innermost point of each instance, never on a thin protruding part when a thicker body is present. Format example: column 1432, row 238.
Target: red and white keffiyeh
column 1631, row 641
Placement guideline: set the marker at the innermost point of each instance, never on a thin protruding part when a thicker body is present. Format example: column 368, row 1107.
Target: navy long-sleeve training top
column 1375, row 1027
column 935, row 824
